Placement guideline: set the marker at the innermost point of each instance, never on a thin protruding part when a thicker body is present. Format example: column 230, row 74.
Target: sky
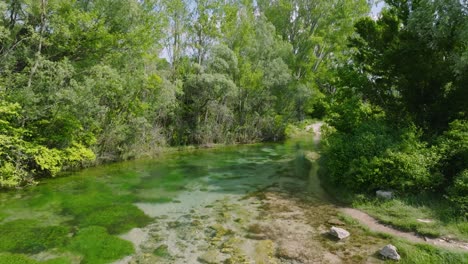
column 376, row 8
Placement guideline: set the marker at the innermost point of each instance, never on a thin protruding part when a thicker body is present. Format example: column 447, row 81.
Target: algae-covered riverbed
column 244, row 204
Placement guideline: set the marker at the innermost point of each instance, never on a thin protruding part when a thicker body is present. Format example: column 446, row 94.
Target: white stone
column 384, row 194
column 390, row 251
column 425, row 220
column 339, row 233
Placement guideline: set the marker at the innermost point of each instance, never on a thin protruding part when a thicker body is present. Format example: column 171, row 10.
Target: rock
column 390, row 251
column 212, row 257
column 427, row 221
column 384, row 194
column 339, row 233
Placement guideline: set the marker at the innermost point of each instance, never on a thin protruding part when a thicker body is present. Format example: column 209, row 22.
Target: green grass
column 403, row 214
column 411, row 253
column 97, row 246
column 426, row 254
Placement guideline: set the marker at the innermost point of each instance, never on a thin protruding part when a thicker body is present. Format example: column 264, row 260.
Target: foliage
column 414, row 62
column 399, row 112
column 458, row 192
column 98, row 81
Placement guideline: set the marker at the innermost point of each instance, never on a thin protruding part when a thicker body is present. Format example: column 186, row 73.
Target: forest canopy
column 85, row 82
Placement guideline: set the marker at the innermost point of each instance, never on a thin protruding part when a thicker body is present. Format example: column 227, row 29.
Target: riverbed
column 257, row 203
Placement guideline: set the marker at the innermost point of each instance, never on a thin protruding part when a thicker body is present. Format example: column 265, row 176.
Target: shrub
column 458, row 192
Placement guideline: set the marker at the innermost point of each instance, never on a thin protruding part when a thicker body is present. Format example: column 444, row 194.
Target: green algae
column 26, row 236
column 162, row 251
column 9, row 258
column 99, row 207
column 97, row 246
column 117, row 218
column 102, row 199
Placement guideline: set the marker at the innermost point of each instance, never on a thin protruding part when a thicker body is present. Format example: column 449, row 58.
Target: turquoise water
column 81, row 218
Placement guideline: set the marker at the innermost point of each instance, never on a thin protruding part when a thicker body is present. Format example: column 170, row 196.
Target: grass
column 426, row 254
column 97, row 246
column 412, row 253
column 403, row 214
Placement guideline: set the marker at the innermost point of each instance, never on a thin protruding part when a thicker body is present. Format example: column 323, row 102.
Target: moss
column 8, row 258
column 100, row 207
column 117, row 218
column 97, row 246
column 86, row 203
column 26, row 236
column 57, row 261
column 162, row 251
column 2, row 216
column 210, row 257
column 159, row 199
column 264, row 252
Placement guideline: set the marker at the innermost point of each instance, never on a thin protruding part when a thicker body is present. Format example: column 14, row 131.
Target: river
column 257, row 203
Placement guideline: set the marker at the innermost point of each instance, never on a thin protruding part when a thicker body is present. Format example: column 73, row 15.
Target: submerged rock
column 384, row 194
column 212, row 257
column 339, row 233
column 390, row 251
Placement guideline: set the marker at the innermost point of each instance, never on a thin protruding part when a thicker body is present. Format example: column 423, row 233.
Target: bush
column 365, row 153
column 458, row 192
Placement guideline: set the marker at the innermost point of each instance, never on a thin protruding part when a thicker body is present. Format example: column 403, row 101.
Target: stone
column 390, row 252
column 384, row 194
column 212, row 257
column 339, row 233
column 427, row 221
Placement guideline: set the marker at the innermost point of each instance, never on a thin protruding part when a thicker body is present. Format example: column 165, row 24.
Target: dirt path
column 374, row 225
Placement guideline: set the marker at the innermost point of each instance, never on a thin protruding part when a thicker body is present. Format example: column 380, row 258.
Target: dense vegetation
column 85, row 82
column 399, row 115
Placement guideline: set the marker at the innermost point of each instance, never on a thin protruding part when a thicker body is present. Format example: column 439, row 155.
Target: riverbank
column 419, row 219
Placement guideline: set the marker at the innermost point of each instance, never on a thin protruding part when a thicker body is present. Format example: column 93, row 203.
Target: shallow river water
column 244, row 204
